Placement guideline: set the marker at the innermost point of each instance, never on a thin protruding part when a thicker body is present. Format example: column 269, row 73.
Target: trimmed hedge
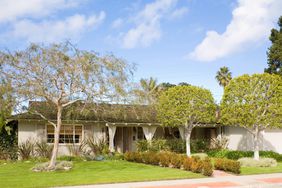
column 173, row 160
column 227, row 165
column 235, row 155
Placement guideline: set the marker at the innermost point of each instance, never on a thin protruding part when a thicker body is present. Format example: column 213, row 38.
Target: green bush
column 263, row 162
column 142, row 145
column 172, row 145
column 235, row 155
column 227, row 165
column 271, row 154
column 9, row 142
column 199, row 145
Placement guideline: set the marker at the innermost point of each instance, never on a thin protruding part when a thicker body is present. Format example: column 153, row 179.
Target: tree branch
column 70, row 102
column 43, row 117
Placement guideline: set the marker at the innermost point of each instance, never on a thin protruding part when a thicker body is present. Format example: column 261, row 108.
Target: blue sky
column 171, row 40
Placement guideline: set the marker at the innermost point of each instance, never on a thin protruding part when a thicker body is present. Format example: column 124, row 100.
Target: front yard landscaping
column 261, row 170
column 19, row 174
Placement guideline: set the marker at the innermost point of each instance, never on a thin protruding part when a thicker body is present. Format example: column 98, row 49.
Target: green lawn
column 261, row 170
column 90, row 172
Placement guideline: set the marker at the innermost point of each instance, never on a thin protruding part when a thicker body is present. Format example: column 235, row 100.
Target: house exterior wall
column 241, row 139
column 36, row 131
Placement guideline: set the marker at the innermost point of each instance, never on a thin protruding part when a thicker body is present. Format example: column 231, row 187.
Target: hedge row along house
column 121, row 126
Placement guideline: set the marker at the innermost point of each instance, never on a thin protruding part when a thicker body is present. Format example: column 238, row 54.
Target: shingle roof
column 92, row 112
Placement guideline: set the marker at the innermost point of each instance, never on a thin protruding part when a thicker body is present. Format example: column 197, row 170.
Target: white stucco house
column 123, row 125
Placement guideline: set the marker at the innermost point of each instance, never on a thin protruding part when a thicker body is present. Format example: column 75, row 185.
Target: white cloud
column 38, row 20
column 11, row 10
column 53, row 31
column 251, row 22
column 178, row 13
column 147, row 24
column 117, row 23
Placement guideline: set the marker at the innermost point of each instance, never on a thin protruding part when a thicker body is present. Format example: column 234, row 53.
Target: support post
column 149, row 132
column 112, row 132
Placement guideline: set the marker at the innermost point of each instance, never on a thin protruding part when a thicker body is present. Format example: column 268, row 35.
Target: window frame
column 65, row 124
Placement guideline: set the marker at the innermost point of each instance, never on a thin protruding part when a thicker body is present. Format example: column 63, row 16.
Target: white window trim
column 67, row 124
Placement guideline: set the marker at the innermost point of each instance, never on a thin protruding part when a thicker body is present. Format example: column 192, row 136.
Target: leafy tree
column 61, row 74
column 274, row 54
column 6, row 101
column 223, row 76
column 187, row 106
column 253, row 102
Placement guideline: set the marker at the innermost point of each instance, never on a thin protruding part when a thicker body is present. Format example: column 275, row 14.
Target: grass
column 261, row 170
column 89, row 172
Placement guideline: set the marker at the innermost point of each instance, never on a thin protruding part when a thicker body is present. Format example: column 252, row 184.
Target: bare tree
column 61, row 74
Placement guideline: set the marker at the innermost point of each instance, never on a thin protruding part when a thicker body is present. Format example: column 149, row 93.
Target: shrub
column 170, row 159
column 235, row 155
column 142, row 145
column 271, row 154
column 172, row 145
column 164, row 158
column 26, row 149
column 227, row 165
column 9, row 141
column 97, row 147
column 196, row 165
column 202, row 156
column 263, row 162
column 207, row 167
column 199, row 145
column 176, row 145
column 150, row 158
column 76, row 149
column 187, row 162
column 219, row 143
column 43, row 149
column 177, row 160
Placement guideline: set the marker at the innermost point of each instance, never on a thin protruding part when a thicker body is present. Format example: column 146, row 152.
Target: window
column 68, row 134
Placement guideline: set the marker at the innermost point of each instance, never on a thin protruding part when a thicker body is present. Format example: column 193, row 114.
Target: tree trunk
column 56, row 139
column 188, row 131
column 256, row 144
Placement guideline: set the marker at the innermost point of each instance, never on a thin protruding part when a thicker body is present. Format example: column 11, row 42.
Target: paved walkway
column 250, row 181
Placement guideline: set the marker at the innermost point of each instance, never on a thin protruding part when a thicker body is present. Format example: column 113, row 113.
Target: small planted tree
column 187, row 106
column 61, row 74
column 253, row 102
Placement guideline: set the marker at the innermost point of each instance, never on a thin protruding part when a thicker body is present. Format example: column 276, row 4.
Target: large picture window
column 68, row 134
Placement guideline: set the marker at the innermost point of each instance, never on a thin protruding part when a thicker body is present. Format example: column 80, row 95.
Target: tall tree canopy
column 61, row 74
column 223, row 76
column 253, row 102
column 187, row 106
column 274, row 54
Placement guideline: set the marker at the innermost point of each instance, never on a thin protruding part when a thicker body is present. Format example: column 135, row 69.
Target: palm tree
column 223, row 76
column 149, row 89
